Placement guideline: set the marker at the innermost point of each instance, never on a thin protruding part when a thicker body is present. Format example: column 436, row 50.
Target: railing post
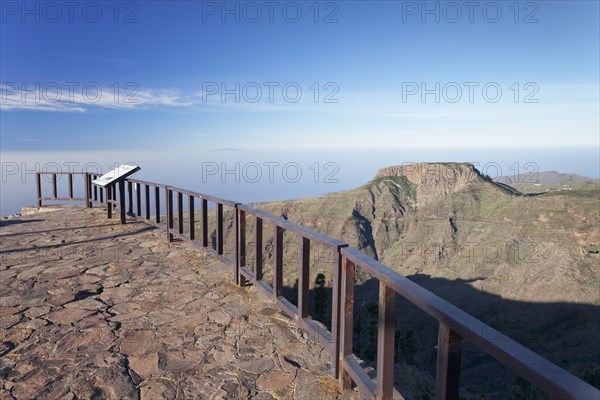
column 191, row 217
column 448, row 364
column 219, row 229
column 95, row 190
column 122, row 201
column 38, row 183
column 204, row 223
column 130, row 198
column 346, row 320
column 54, row 189
column 258, row 248
column 385, row 342
column 157, row 204
column 109, row 204
column 88, row 190
column 88, row 182
column 138, row 198
column 236, row 264
column 241, row 243
column 303, row 278
column 169, row 221
column 114, row 196
column 180, row 212
column 147, row 188
column 278, row 267
column 70, row 185
column 336, row 311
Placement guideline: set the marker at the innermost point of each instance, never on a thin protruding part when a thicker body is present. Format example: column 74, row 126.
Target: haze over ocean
column 247, row 175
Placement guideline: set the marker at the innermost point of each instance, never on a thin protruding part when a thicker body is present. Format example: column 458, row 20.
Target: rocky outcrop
column 434, row 180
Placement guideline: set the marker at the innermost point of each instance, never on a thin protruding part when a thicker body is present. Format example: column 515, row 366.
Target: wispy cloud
column 381, row 105
column 82, row 98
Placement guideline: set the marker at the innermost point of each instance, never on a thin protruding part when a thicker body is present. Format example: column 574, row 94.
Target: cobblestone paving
column 90, row 309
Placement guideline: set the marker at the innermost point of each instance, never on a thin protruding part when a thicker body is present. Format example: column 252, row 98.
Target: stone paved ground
column 92, row 309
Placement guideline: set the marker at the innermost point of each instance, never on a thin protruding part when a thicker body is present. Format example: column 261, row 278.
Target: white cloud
column 54, row 97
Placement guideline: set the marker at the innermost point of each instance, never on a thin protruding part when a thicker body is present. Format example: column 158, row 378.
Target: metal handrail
column 291, row 226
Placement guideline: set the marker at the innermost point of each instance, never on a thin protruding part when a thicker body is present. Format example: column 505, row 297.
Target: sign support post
column 122, row 200
column 109, row 182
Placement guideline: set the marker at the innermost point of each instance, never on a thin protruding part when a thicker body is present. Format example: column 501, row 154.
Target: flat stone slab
column 94, row 309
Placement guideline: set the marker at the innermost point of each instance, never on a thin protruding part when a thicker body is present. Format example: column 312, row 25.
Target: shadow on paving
column 98, row 239
column 56, row 230
column 15, row 221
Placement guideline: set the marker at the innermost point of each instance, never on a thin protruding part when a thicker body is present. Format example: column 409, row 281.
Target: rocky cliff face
column 434, row 180
column 430, row 173
column 399, row 200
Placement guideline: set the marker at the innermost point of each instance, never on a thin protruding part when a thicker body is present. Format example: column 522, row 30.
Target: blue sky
column 369, row 60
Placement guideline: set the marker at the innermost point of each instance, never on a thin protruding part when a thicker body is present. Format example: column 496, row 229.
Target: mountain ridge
column 445, row 208
column 545, row 178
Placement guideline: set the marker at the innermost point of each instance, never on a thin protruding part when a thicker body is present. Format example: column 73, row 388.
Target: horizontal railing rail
column 214, row 199
column 455, row 325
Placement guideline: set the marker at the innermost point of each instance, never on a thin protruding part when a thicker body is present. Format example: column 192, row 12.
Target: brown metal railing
column 151, row 195
column 94, row 194
column 218, row 248
column 54, row 182
column 298, row 313
column 455, row 325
